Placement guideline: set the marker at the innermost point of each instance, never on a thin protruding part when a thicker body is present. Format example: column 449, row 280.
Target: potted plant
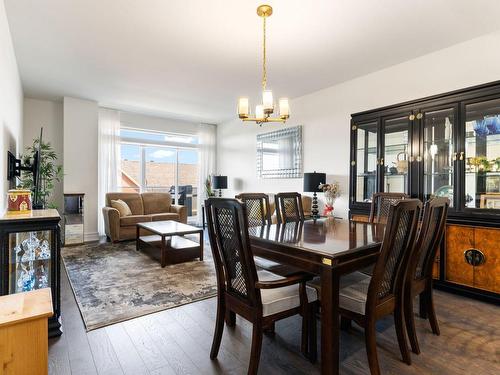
column 49, row 173
column 208, row 187
column 332, row 192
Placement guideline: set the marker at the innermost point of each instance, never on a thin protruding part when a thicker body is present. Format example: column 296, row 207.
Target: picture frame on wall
column 491, row 201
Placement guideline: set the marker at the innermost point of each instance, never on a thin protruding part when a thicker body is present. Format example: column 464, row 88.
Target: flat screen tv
column 15, row 166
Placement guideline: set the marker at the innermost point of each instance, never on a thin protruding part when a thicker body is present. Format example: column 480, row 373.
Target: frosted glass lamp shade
column 259, row 112
column 243, row 107
column 267, row 101
column 284, row 108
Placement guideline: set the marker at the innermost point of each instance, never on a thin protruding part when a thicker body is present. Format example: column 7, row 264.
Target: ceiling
column 192, row 59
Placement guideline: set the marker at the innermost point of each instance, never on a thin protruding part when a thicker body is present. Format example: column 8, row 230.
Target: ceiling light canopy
column 264, row 111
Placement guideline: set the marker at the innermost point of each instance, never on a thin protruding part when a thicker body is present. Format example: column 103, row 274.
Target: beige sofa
column 145, row 207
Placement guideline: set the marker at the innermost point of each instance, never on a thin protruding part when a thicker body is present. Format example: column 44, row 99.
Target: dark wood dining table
column 328, row 248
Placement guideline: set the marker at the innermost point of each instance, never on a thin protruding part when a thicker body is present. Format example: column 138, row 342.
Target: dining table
column 328, row 248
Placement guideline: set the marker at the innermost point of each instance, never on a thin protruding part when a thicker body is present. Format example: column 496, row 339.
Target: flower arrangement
column 208, row 187
column 332, row 192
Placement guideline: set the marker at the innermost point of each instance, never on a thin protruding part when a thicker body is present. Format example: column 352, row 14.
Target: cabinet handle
column 454, row 156
column 381, row 161
column 419, row 158
column 353, row 163
column 411, row 117
column 462, row 155
column 474, row 257
column 419, row 116
column 411, row 159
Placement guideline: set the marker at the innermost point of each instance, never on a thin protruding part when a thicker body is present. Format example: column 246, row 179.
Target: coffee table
column 169, row 238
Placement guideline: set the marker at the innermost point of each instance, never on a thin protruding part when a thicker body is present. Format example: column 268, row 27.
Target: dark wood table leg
column 201, row 245
column 330, row 327
column 137, row 233
column 203, row 216
column 163, row 252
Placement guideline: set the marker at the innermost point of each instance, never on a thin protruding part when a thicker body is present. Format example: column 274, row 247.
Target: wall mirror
column 279, row 153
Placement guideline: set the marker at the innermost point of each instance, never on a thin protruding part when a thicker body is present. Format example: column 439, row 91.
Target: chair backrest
column 381, row 202
column 399, row 239
column 289, row 207
column 429, row 238
column 228, row 233
column 257, row 208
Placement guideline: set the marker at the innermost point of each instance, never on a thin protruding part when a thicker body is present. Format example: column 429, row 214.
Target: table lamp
column 219, row 182
column 311, row 185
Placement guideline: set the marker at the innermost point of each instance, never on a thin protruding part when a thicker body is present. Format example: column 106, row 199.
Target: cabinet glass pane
column 396, row 135
column 29, row 261
column 438, row 154
column 482, row 151
column 366, row 162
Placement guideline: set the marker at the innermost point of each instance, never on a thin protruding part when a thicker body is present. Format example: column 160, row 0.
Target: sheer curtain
column 207, row 138
column 108, row 158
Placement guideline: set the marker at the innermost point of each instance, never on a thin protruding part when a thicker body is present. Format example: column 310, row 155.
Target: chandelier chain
column 264, row 70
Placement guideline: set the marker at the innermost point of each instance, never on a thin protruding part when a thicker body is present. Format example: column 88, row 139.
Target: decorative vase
column 480, row 128
column 328, row 211
column 492, row 124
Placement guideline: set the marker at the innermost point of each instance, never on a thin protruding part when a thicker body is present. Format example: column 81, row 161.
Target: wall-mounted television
column 15, row 166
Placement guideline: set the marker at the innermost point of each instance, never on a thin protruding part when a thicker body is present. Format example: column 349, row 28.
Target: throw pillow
column 122, row 207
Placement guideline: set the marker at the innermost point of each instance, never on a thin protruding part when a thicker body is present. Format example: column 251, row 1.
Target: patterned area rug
column 114, row 282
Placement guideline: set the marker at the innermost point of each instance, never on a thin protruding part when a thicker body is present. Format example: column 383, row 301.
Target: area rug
column 114, row 282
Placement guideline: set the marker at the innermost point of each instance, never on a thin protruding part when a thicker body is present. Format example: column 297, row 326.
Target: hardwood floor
column 177, row 341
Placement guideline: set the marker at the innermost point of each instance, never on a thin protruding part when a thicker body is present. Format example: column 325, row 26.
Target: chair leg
column 345, row 324
column 410, row 323
column 432, row 312
column 253, row 366
column 422, row 305
column 400, row 333
column 230, row 318
column 270, row 329
column 305, row 319
column 371, row 347
column 219, row 328
column 313, row 343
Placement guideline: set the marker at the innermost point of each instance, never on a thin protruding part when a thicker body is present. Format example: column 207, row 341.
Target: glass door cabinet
column 447, row 145
column 30, row 257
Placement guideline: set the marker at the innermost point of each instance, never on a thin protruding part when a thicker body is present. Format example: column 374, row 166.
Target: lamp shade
column 313, row 180
column 219, row 182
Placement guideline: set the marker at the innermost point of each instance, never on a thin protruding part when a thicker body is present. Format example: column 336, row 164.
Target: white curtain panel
column 207, row 138
column 108, row 158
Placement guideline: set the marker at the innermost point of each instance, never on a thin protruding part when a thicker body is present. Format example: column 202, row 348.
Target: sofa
column 145, row 207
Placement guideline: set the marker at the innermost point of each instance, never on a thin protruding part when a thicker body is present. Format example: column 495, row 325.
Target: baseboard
column 90, row 237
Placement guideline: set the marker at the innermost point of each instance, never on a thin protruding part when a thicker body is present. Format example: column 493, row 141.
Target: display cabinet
column 447, row 145
column 30, row 257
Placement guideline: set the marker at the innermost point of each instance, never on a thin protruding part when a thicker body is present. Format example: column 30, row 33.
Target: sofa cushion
column 156, row 203
column 122, row 207
column 133, row 200
column 165, row 216
column 133, row 220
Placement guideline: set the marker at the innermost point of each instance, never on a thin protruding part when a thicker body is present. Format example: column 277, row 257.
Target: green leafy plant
column 208, row 187
column 49, row 173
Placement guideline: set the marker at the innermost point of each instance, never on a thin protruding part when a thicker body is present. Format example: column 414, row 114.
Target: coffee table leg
column 201, row 245
column 163, row 252
column 137, row 232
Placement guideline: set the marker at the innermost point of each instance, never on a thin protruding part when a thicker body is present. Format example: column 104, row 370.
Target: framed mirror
column 279, row 153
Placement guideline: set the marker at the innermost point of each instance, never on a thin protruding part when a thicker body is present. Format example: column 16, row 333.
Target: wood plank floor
column 177, row 341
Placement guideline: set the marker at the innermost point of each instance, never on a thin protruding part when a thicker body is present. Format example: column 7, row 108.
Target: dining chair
column 289, row 207
column 381, row 202
column 259, row 296
column 259, row 214
column 365, row 299
column 419, row 274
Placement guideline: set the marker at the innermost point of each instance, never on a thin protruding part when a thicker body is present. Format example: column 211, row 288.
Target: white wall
column 80, row 157
column 11, row 104
column 49, row 115
column 326, row 114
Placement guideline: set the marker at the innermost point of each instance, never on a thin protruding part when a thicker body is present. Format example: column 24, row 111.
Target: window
column 160, row 162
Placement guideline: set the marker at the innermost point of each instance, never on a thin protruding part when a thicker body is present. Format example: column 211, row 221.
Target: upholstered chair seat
column 281, row 299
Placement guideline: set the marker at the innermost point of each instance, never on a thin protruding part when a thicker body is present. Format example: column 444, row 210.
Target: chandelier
column 264, row 111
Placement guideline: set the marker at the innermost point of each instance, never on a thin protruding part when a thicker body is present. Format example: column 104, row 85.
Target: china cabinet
column 30, row 257
column 447, row 145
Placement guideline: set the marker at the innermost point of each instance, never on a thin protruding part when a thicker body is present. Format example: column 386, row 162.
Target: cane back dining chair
column 381, row 202
column 419, row 274
column 365, row 299
column 289, row 207
column 259, row 214
column 260, row 297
